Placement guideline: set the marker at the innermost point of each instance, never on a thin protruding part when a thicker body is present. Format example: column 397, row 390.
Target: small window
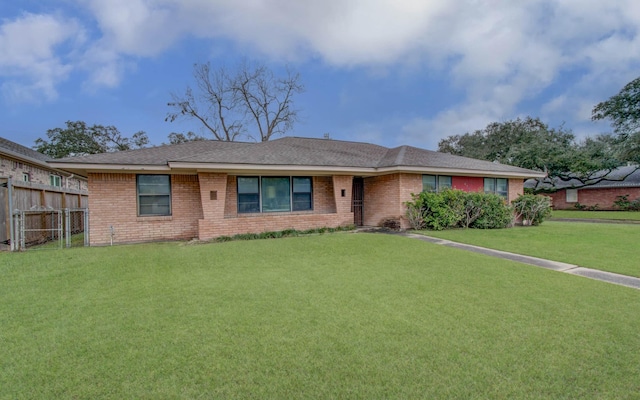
column 302, row 196
column 26, row 177
column 248, row 194
column 55, row 180
column 435, row 183
column 499, row 186
column 154, row 195
column 572, row 195
column 444, row 182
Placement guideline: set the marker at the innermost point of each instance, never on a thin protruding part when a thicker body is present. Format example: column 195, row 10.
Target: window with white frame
column 154, row 195
column 435, row 183
column 274, row 194
column 26, row 177
column 55, row 180
column 572, row 195
column 499, row 186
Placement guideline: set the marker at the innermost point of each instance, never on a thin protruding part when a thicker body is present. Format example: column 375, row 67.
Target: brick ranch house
column 207, row 189
column 623, row 181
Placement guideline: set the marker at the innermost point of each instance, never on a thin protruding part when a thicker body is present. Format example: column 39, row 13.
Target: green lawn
column 611, row 215
column 608, row 247
column 332, row 316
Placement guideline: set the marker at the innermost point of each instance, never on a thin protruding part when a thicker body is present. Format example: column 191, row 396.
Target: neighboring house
column 207, row 189
column 597, row 194
column 27, row 166
column 35, row 185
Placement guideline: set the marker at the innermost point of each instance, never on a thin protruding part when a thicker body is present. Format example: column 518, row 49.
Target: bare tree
column 250, row 101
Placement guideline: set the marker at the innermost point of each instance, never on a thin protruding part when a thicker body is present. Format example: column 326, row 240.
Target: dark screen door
column 357, row 201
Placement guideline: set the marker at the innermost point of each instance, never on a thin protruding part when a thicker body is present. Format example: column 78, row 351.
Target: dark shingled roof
column 295, row 151
column 159, row 155
column 24, row 152
column 631, row 172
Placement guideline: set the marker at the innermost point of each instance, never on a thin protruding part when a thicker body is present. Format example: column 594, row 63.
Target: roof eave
column 84, row 169
column 339, row 170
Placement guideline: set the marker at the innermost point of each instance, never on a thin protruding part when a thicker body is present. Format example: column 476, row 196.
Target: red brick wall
column 330, row 209
column 603, row 198
column 196, row 213
column 384, row 197
column 113, row 202
column 516, row 188
column 323, row 199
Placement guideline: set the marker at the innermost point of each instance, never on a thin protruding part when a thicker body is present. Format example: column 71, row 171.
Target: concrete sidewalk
column 604, row 276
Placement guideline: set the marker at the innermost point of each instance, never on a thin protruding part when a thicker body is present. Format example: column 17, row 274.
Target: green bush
column 496, row 214
column 533, row 209
column 623, row 203
column 456, row 208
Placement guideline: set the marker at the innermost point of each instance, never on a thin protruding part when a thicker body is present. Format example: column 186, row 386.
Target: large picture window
column 274, row 194
column 154, row 195
column 499, row 186
column 435, row 183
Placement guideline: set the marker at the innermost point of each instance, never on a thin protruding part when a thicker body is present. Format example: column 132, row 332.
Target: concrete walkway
column 604, row 276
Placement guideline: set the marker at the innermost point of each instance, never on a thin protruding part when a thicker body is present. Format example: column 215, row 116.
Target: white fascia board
column 129, row 168
column 461, row 172
column 359, row 171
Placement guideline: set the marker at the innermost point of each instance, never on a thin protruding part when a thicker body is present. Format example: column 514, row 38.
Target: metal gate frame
column 59, row 231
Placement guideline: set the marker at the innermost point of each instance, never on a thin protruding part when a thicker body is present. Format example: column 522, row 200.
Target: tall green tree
column 78, row 139
column 530, row 143
column 527, row 143
column 623, row 110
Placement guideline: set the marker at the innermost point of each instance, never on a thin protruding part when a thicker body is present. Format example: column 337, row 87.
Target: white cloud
column 499, row 52
column 30, row 66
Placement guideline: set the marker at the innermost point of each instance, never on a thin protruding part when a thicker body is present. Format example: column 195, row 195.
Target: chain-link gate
column 43, row 229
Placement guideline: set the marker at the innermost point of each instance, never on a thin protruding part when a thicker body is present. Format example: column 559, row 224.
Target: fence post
column 86, row 226
column 21, row 226
column 67, row 227
column 12, row 239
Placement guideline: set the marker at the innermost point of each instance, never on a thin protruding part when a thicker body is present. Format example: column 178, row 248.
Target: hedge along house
column 207, row 189
column 596, row 193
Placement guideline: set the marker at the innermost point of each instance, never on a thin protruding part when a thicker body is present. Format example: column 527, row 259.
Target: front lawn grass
column 334, row 316
column 607, row 247
column 598, row 215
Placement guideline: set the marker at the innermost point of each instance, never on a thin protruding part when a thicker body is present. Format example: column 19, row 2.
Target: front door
column 358, row 201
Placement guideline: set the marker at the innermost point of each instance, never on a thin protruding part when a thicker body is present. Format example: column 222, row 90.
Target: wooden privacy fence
column 38, row 202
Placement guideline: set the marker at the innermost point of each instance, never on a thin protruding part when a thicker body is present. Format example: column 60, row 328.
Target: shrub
column 441, row 210
column 415, row 213
column 533, row 209
column 456, row 208
column 623, row 203
column 496, row 214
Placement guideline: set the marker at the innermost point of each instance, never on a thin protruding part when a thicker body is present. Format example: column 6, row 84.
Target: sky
column 389, row 72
